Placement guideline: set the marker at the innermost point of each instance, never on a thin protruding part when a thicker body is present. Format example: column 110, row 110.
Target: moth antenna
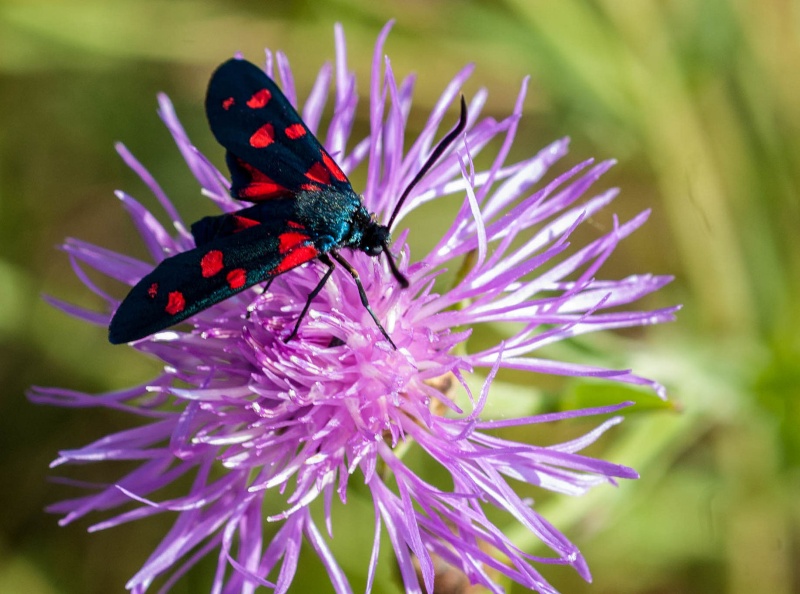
column 437, row 152
column 401, row 278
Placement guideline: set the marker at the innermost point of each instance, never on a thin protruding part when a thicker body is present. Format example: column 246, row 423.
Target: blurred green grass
column 697, row 100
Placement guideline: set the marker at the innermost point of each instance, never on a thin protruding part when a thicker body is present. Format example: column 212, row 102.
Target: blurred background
column 699, row 102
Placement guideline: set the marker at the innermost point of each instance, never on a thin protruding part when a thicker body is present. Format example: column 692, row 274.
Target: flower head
column 265, row 428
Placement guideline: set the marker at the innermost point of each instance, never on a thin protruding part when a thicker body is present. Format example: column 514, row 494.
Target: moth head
column 375, row 241
column 376, row 238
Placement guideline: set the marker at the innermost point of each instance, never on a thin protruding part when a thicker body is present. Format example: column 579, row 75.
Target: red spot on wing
column 211, row 263
column 295, row 131
column 333, row 167
column 227, row 103
column 261, row 186
column 291, row 240
column 310, row 187
column 319, row 173
column 152, row 291
column 175, row 303
column 296, row 257
column 236, row 278
column 263, row 137
column 259, row 99
column 294, row 225
column 242, row 223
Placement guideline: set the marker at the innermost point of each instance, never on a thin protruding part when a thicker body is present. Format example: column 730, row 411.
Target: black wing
column 236, row 253
column 271, row 152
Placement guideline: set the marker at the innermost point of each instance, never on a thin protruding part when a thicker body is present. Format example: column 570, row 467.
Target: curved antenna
column 393, row 265
column 437, row 152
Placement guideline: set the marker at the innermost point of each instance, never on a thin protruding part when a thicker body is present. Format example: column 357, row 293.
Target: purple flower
column 251, row 419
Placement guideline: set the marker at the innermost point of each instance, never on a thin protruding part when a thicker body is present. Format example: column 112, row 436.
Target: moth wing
column 193, row 281
column 271, row 153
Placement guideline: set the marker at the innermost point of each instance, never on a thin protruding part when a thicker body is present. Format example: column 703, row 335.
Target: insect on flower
column 305, row 208
column 257, row 449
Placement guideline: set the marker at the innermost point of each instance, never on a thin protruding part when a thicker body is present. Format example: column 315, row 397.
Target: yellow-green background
column 698, row 99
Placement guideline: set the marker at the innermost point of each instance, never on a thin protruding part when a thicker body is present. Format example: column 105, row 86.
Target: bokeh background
column 698, row 100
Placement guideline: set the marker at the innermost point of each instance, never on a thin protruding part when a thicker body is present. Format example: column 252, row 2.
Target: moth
column 304, row 208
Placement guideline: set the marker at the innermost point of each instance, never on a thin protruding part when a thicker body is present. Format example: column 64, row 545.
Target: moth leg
column 331, row 266
column 362, row 294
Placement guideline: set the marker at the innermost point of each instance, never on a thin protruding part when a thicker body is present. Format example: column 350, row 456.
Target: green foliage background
column 699, row 101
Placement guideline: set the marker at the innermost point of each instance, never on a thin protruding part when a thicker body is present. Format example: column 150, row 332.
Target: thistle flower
column 258, row 424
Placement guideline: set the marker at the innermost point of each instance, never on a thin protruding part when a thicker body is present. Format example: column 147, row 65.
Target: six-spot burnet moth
column 305, row 208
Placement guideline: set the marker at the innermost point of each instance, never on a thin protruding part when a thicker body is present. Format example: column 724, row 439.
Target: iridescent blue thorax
column 339, row 219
